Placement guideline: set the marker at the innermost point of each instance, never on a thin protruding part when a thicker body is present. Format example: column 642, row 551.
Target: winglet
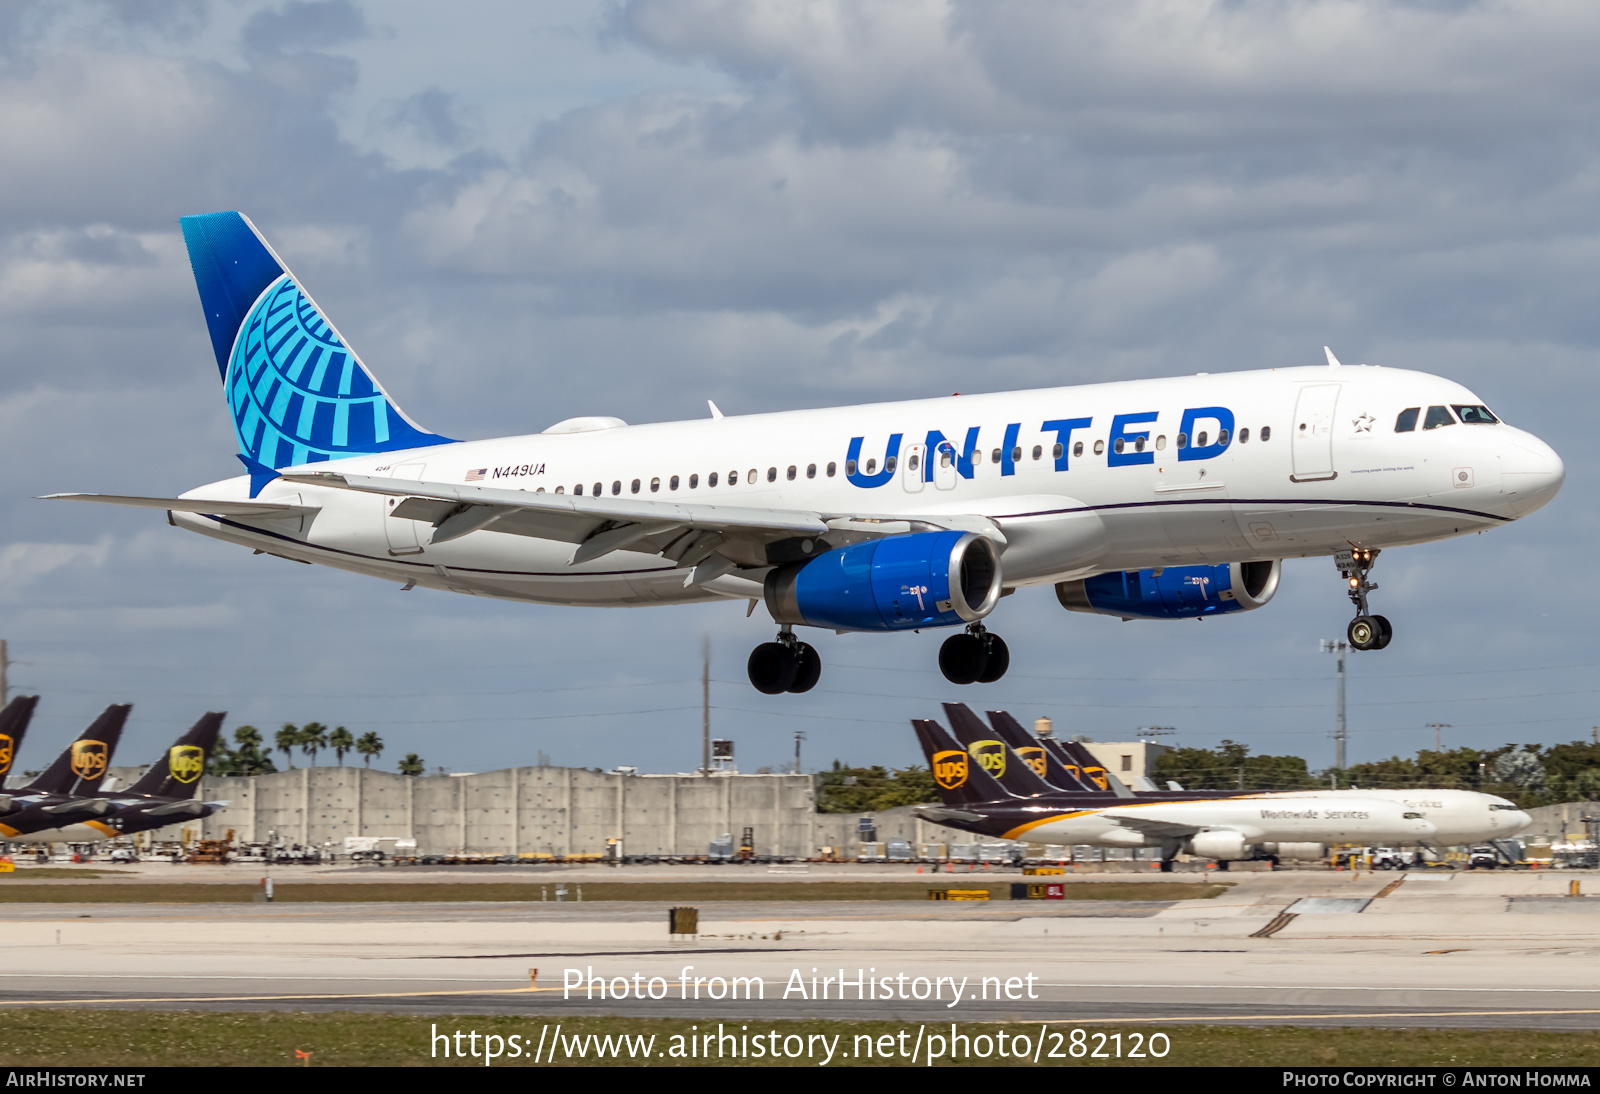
column 1333, row 362
column 260, row 473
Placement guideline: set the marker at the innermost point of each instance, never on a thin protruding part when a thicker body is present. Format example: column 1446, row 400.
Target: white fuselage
column 1445, row 817
column 1322, row 469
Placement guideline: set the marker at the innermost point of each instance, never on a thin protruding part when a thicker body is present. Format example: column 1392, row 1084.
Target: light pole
column 1436, row 727
column 1339, row 648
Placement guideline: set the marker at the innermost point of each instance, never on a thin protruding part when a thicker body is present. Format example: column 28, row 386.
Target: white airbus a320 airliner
column 1142, row 499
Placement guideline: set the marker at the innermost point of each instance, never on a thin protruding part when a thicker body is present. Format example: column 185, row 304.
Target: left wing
column 713, row 539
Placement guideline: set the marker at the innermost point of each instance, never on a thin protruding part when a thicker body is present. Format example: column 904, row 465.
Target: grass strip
column 666, row 891
column 131, row 1038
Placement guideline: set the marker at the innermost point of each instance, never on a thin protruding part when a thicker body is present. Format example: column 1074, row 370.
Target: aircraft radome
column 1144, row 499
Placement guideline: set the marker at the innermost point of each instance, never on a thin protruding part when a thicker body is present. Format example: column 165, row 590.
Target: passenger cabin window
column 1437, row 416
column 849, row 467
column 891, row 463
column 1407, row 421
column 1077, row 450
column 1474, row 415
column 1055, row 451
column 694, row 481
column 994, row 457
column 832, row 467
column 1183, row 440
column 750, row 478
column 1099, row 447
column 1038, row 450
column 811, row 470
column 791, row 472
column 1244, row 435
column 733, row 478
column 1016, row 454
column 634, row 488
column 711, row 479
column 1118, row 446
column 616, row 486
column 1266, row 433
column 597, row 490
column 655, row 485
column 912, row 461
column 772, row 474
column 578, row 489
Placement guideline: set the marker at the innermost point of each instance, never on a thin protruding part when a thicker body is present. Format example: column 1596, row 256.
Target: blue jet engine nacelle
column 897, row 583
column 1176, row 592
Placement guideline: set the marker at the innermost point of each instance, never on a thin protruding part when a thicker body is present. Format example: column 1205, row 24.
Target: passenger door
column 1311, row 443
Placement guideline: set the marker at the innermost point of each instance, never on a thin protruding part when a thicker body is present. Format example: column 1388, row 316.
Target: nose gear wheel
column 1366, row 631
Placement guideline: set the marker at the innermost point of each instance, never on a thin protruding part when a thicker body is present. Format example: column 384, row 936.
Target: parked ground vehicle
column 1485, row 858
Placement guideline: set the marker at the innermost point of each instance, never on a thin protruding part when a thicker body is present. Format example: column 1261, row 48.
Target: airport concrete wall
column 554, row 810
column 1559, row 821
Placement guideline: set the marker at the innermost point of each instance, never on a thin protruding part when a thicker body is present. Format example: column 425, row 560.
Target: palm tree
column 411, row 765
column 313, row 736
column 249, row 758
column 341, row 742
column 286, row 739
column 369, row 746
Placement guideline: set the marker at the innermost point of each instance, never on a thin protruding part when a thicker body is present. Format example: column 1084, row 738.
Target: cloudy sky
column 521, row 212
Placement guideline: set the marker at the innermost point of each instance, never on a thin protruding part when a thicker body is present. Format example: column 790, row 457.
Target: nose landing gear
column 1366, row 631
column 976, row 657
column 785, row 665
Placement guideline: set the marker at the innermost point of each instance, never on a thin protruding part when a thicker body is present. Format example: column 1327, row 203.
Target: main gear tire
column 963, row 658
column 772, row 668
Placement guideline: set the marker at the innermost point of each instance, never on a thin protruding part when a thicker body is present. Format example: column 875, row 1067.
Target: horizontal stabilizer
column 187, row 808
column 195, row 505
column 95, row 806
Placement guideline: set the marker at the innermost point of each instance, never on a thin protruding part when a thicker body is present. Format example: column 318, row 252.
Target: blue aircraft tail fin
column 298, row 393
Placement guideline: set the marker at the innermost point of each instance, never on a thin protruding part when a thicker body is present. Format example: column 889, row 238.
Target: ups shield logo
column 1033, row 756
column 1075, row 771
column 7, row 746
column 1097, row 775
column 186, row 762
column 991, row 756
column 950, row 769
column 88, row 759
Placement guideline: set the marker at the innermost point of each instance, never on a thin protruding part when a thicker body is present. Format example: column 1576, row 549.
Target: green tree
column 369, row 746
column 1230, row 766
column 872, row 789
column 341, row 742
column 287, row 739
column 412, row 764
column 313, row 737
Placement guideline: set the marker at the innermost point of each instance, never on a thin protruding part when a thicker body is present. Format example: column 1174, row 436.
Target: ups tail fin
column 14, row 721
column 82, row 767
column 1094, row 771
column 1037, row 754
column 297, row 392
column 959, row 779
column 994, row 755
column 177, row 773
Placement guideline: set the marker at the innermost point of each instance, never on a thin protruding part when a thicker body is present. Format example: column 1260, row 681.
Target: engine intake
column 1176, row 592
column 924, row 579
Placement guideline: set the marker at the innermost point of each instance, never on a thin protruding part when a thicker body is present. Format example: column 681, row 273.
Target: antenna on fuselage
column 1333, row 362
column 715, row 413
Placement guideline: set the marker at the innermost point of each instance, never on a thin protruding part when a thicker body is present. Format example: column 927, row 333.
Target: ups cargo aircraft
column 1144, row 499
column 989, row 786
column 66, row 804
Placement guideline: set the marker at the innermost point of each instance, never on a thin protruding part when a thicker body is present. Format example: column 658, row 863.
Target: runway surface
column 1466, row 950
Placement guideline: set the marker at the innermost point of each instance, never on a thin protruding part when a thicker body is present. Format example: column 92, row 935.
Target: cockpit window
column 1407, row 420
column 1475, row 415
column 1437, row 416
column 1495, row 807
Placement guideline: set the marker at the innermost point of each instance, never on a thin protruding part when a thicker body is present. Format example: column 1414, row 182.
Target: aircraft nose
column 1532, row 474
column 1519, row 820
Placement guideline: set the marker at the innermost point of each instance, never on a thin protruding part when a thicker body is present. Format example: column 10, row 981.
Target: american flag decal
column 477, row 475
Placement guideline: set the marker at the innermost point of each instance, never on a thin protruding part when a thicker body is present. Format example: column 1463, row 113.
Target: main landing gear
column 785, row 665
column 1366, row 631
column 975, row 657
